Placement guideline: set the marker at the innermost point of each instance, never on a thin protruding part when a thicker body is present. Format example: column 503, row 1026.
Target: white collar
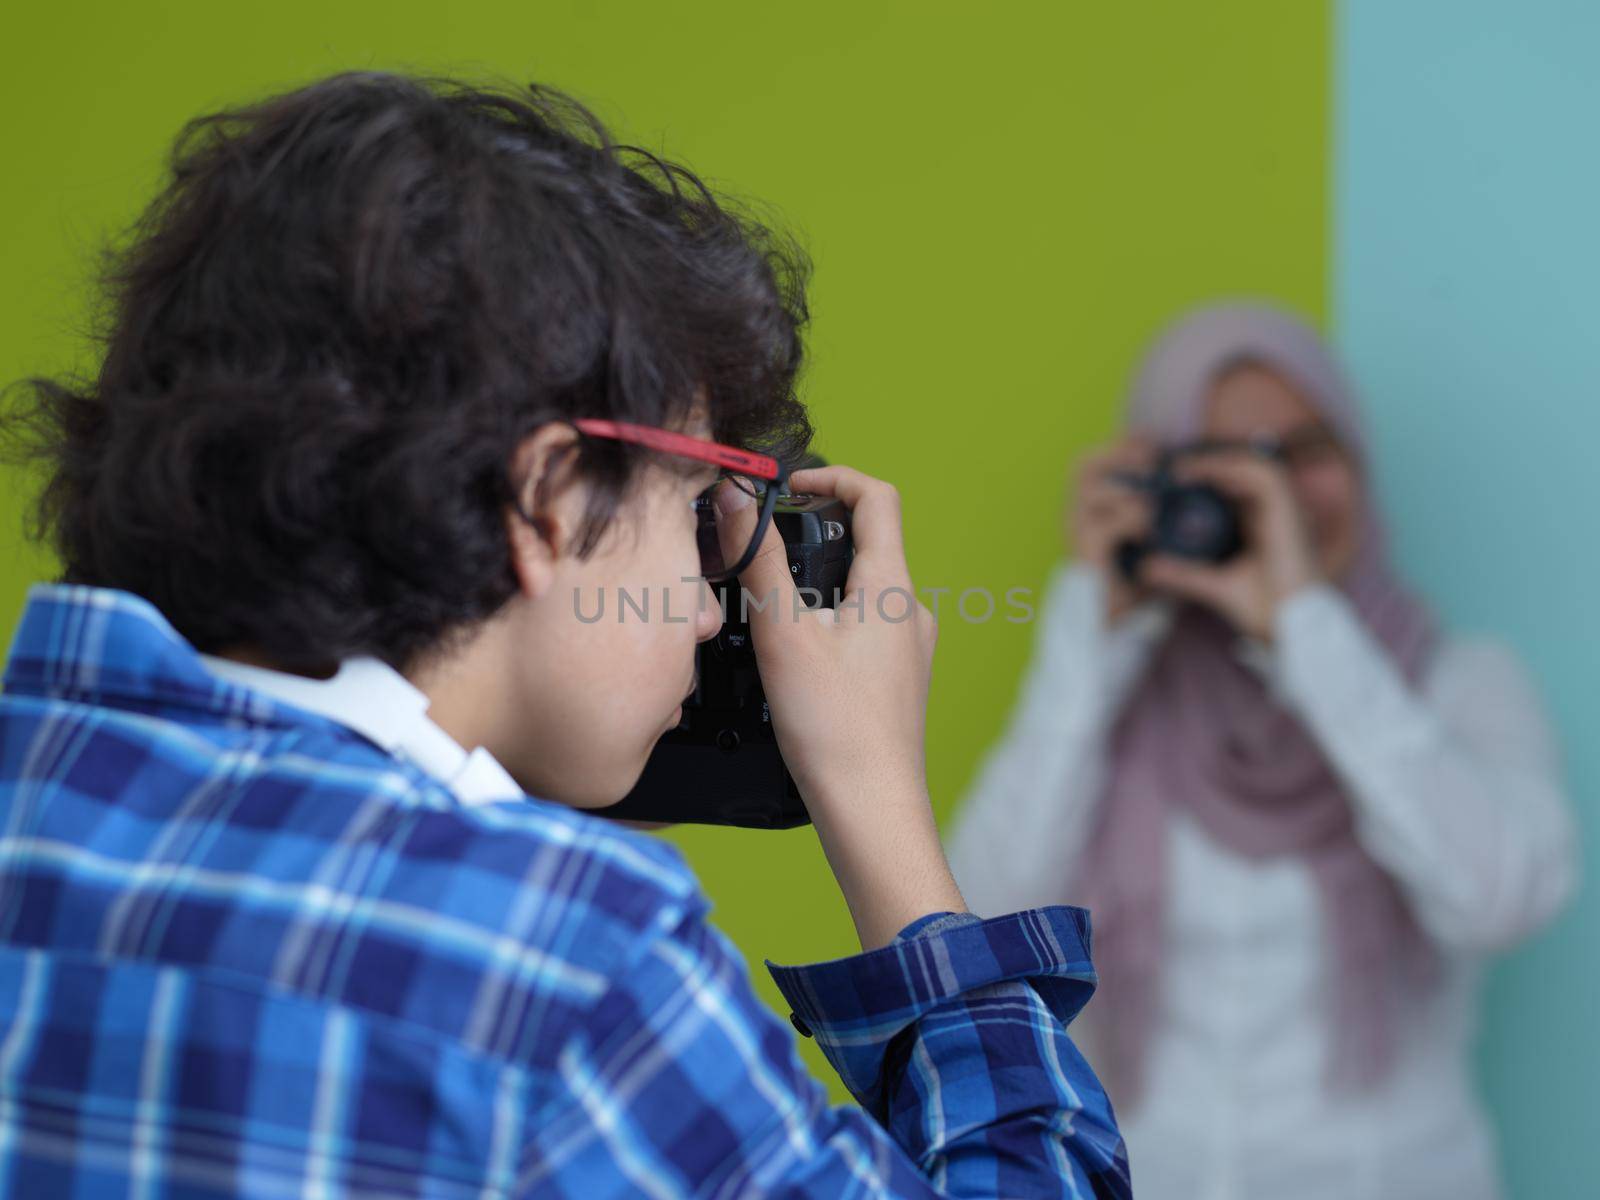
column 376, row 701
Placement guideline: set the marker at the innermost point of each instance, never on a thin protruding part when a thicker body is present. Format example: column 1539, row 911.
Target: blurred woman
column 1302, row 816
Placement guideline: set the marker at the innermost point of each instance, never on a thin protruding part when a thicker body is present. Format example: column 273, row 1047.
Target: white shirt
column 1457, row 793
column 369, row 696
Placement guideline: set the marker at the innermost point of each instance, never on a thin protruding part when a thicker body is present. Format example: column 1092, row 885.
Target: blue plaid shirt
column 246, row 952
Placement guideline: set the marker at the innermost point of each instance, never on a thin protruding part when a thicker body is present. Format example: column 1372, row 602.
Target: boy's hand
column 848, row 691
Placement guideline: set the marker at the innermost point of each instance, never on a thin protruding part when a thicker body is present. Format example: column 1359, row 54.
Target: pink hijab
column 1202, row 733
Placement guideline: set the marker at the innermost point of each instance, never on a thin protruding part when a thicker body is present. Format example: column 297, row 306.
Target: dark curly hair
column 325, row 337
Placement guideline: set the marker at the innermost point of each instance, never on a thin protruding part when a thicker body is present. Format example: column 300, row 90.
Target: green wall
column 1002, row 203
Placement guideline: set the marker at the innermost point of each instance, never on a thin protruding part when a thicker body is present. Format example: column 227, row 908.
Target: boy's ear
column 551, row 500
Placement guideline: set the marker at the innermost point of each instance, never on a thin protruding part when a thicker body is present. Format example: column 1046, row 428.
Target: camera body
column 721, row 765
column 1188, row 520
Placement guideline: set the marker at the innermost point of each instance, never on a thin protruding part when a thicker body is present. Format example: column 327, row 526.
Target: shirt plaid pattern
column 245, row 952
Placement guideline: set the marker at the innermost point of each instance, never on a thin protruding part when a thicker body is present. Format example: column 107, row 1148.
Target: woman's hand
column 1105, row 512
column 1278, row 559
column 848, row 692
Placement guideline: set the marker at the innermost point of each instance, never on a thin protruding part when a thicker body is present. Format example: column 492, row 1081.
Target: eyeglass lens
column 715, row 563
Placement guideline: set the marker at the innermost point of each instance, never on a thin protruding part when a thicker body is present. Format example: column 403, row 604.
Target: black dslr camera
column 721, row 765
column 1189, row 520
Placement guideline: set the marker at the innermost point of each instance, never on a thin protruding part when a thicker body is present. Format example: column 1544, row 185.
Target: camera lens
column 1197, row 521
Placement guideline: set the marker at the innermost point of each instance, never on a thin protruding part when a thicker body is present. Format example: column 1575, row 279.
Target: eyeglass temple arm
column 762, row 466
column 760, row 532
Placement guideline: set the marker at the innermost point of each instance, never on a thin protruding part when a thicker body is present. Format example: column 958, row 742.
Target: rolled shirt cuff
column 856, row 1006
column 936, row 922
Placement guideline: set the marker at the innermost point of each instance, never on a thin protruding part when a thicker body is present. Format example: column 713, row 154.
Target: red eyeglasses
column 760, row 475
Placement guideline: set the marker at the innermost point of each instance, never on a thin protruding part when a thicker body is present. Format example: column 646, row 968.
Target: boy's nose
column 708, row 614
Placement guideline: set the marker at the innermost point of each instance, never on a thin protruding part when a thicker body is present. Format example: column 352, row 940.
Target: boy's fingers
column 880, row 557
